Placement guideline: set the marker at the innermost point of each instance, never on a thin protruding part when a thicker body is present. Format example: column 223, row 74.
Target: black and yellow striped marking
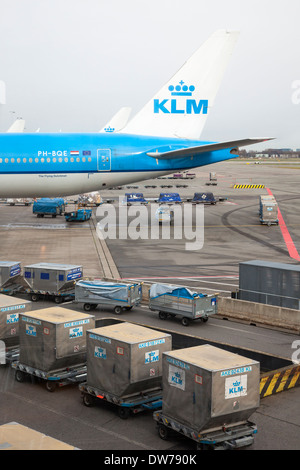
column 279, row 380
column 249, row 186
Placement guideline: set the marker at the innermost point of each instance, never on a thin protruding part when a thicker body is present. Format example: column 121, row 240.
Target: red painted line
column 286, row 235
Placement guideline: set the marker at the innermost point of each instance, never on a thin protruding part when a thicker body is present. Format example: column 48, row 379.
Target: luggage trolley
column 147, row 400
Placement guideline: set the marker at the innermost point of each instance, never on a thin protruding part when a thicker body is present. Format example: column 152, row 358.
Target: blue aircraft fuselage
column 35, row 165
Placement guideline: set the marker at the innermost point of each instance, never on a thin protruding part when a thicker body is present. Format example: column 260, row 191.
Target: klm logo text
column 188, row 106
column 171, row 107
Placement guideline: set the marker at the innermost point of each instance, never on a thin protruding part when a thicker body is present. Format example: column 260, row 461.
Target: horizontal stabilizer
column 194, row 151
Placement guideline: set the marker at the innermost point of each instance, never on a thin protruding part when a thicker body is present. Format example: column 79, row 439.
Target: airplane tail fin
column 181, row 106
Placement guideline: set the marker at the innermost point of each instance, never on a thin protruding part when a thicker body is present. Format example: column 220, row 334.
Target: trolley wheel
column 162, row 315
column 204, row 319
column 163, row 432
column 50, row 386
column 123, row 412
column 34, row 297
column 117, row 309
column 87, row 307
column 185, row 321
column 58, row 299
column 88, row 400
column 20, row 375
column 129, row 308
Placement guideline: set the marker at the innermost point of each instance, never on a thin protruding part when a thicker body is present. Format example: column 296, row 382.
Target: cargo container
column 268, row 210
column 15, row 436
column 270, row 283
column 115, row 294
column 53, row 339
column 134, row 198
column 125, row 359
column 10, row 309
column 51, row 279
column 170, row 300
column 210, row 393
column 10, row 276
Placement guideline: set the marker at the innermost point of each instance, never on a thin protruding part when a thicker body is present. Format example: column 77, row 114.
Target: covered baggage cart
column 170, row 300
column 204, row 198
column 134, row 198
column 51, row 279
column 169, row 198
column 48, row 206
column 114, row 294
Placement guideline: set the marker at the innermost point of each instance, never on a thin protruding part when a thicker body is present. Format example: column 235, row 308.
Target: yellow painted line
column 272, row 385
column 283, row 380
column 294, row 379
column 262, row 383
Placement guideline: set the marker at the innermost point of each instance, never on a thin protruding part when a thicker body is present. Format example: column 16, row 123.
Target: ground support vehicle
column 134, row 198
column 79, row 215
column 173, row 301
column 169, row 198
column 230, row 437
column 48, row 206
column 115, row 294
column 52, row 379
column 142, row 401
column 212, row 179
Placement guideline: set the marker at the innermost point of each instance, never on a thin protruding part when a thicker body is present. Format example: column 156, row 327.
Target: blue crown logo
column 109, row 129
column 181, row 89
column 236, row 384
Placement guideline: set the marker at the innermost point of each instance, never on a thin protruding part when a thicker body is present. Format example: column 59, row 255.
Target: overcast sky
column 70, row 65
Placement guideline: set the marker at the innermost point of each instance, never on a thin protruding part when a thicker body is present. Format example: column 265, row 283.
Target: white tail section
column 181, row 106
column 118, row 121
column 17, row 126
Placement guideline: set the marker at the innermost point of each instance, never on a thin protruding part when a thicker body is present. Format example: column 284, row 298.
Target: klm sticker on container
column 100, row 352
column 152, row 356
column 30, row 330
column 12, row 318
column 176, row 377
column 76, row 332
column 181, row 101
column 236, row 386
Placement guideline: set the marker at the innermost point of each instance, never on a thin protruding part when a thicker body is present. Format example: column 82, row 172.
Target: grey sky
column 71, row 64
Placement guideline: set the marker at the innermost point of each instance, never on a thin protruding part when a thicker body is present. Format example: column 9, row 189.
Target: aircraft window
column 54, row 160
column 60, row 160
column 89, row 159
column 0, row 160
column 66, row 160
column 48, row 160
column 30, row 160
column 42, row 160
column 12, row 160
column 72, row 159
column 36, row 160
column 77, row 159
column 6, row 160
column 24, row 160
column 18, row 160
column 83, row 159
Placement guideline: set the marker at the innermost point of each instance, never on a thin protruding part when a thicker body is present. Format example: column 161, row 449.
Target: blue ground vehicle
column 133, row 198
column 169, row 198
column 48, row 206
column 204, row 198
column 78, row 215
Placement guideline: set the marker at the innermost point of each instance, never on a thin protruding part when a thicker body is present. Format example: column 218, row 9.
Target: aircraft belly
column 66, row 184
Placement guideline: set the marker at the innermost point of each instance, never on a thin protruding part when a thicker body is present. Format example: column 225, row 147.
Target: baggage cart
column 133, row 404
column 268, row 210
column 169, row 198
column 226, row 437
column 52, row 379
column 204, row 198
column 170, row 300
column 48, row 206
column 10, row 277
column 52, row 280
column 134, row 198
column 118, row 295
